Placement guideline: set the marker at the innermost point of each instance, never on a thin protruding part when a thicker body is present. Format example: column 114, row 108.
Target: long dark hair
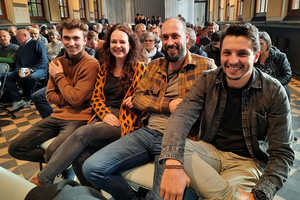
column 136, row 54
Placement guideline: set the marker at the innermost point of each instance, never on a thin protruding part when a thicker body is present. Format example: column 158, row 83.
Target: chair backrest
column 4, row 69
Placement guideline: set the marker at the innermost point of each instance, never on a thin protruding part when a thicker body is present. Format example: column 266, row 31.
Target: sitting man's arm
column 174, row 181
column 43, row 60
column 62, row 91
column 11, row 56
column 146, row 97
column 280, row 140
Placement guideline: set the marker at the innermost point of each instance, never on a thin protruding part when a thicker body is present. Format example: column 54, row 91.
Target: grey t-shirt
column 158, row 121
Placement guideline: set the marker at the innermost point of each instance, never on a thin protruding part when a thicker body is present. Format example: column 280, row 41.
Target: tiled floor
column 10, row 129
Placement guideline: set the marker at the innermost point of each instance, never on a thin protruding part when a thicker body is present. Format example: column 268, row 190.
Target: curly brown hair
column 136, row 54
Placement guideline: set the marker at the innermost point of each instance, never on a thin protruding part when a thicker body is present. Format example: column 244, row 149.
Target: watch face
column 259, row 195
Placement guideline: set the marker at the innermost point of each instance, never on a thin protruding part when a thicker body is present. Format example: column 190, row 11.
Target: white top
column 53, row 49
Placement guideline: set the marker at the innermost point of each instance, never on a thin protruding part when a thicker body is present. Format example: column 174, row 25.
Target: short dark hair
column 243, row 29
column 71, row 24
column 216, row 36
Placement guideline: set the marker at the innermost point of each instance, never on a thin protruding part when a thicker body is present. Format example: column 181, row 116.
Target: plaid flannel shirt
column 150, row 93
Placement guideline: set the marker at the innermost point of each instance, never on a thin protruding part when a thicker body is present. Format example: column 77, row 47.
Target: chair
column 141, row 176
column 4, row 69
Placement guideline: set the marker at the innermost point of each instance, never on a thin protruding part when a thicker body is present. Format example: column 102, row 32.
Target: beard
column 179, row 56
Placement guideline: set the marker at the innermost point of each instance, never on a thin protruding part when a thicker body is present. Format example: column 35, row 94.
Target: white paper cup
column 23, row 70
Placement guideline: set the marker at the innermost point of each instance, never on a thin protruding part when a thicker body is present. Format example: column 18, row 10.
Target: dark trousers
column 41, row 103
column 29, row 87
column 26, row 146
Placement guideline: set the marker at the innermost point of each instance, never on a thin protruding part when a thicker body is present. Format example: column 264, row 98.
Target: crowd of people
column 209, row 107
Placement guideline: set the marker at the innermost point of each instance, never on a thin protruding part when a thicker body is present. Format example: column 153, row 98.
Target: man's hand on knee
column 174, row 182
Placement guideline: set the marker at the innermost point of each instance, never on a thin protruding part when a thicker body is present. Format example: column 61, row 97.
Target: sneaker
column 36, row 181
column 27, row 104
column 18, row 104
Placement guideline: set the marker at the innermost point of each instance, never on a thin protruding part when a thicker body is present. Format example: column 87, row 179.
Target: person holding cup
column 31, row 64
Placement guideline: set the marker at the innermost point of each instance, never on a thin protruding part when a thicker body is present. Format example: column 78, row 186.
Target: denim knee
column 13, row 149
column 92, row 172
column 40, row 94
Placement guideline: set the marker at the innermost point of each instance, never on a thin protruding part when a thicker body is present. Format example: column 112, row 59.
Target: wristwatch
column 259, row 195
column 31, row 70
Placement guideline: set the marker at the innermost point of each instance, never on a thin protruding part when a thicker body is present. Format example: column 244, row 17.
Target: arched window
column 261, row 6
column 96, row 14
column 35, row 8
column 82, row 9
column 2, row 9
column 240, row 8
column 63, row 8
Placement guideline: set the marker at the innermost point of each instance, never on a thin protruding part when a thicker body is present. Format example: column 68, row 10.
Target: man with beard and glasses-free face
column 166, row 82
column 245, row 151
column 70, row 85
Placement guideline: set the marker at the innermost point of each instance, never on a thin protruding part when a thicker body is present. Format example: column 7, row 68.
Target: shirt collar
column 254, row 82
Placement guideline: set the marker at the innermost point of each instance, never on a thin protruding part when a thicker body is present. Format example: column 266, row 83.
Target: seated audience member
column 199, row 31
column 99, row 31
column 204, row 34
column 137, row 19
column 192, row 46
column 150, row 40
column 92, row 40
column 44, row 32
column 103, row 20
column 153, row 20
column 53, row 27
column 210, row 29
column 274, row 62
column 140, row 30
column 165, row 83
column 39, row 97
column 55, row 46
column 28, row 28
column 143, row 20
column 8, row 51
column 13, row 34
column 158, row 21
column 72, row 78
column 41, row 37
column 128, row 25
column 35, row 34
column 112, row 95
column 156, row 30
column 245, row 151
column 32, row 56
column 213, row 49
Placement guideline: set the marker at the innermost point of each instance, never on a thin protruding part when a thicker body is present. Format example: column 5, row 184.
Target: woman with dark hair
column 111, row 102
column 150, row 40
column 273, row 62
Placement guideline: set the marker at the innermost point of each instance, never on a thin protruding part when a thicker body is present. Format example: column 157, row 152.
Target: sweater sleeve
column 77, row 94
column 43, row 60
column 98, row 99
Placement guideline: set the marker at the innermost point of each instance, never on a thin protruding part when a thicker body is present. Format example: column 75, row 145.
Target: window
column 82, row 9
column 240, row 8
column 2, row 9
column 261, row 6
column 295, row 4
column 96, row 15
column 227, row 9
column 294, row 10
column 35, row 8
column 63, row 8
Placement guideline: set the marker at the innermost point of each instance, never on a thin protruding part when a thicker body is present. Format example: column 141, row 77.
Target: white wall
column 183, row 7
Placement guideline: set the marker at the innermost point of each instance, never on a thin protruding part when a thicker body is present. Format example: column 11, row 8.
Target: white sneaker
column 18, row 104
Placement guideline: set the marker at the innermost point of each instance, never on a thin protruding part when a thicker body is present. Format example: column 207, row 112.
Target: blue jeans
column 137, row 148
column 32, row 80
column 41, row 103
column 93, row 135
column 25, row 147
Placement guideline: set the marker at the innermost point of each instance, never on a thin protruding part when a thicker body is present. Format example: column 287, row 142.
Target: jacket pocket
column 260, row 125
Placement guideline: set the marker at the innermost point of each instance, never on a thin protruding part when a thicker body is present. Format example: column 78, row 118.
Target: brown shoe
column 36, row 181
